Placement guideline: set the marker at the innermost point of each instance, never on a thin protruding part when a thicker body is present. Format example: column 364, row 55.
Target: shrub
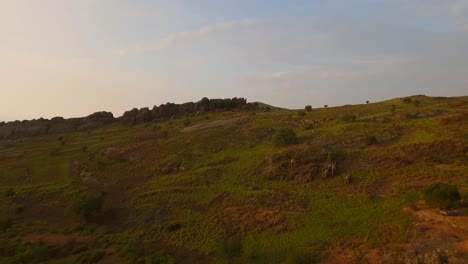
column 348, row 117
column 308, row 108
column 173, row 227
column 5, row 223
column 301, row 113
column 187, row 122
column 285, row 136
column 139, row 254
column 371, row 140
column 91, row 256
column 87, row 203
column 301, row 258
column 407, row 100
column 417, row 103
column 230, row 249
column 367, row 101
column 19, row 209
column 442, row 195
column 8, row 193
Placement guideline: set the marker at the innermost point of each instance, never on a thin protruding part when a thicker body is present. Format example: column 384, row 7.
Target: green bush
column 230, row 249
column 86, row 203
column 285, row 136
column 308, row 108
column 442, row 195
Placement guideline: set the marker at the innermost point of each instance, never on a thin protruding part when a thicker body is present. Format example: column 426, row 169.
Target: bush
column 7, row 193
column 308, row 108
column 301, row 113
column 371, row 140
column 230, row 249
column 285, row 136
column 5, row 223
column 348, row 117
column 139, row 254
column 442, row 195
column 173, row 227
column 87, row 203
column 407, row 100
column 301, row 258
column 187, row 122
column 91, row 256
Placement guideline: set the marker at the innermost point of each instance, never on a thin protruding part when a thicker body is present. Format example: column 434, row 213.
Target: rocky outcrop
column 171, row 110
column 58, row 125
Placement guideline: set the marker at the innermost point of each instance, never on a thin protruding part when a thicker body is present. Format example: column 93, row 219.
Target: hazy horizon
column 72, row 58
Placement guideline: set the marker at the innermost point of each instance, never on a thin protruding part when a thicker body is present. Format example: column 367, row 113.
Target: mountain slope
column 188, row 188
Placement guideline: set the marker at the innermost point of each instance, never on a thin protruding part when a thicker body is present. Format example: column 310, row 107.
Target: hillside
column 212, row 186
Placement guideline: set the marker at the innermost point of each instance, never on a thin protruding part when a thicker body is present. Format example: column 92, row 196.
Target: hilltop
column 239, row 183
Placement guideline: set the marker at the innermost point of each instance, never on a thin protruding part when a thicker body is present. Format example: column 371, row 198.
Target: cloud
column 178, row 37
column 329, row 60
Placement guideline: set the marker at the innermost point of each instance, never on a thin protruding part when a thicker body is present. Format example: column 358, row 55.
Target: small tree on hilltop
column 308, row 108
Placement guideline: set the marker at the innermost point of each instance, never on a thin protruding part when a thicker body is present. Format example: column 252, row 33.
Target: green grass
column 190, row 191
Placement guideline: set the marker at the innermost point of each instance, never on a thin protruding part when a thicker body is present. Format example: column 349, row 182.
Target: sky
column 71, row 58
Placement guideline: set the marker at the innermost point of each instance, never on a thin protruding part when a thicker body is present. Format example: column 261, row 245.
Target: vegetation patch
column 442, row 195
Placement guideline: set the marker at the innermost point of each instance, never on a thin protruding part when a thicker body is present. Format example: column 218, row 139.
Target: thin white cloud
column 178, row 37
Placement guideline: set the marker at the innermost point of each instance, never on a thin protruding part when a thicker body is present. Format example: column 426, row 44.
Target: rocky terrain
column 57, row 125
column 226, row 181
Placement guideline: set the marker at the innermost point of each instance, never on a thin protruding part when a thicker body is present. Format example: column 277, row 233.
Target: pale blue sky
column 74, row 57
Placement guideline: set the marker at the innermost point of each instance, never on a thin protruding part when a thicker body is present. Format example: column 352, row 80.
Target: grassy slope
column 185, row 191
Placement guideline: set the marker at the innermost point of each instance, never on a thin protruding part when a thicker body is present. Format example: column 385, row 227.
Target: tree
column 367, row 101
column 285, row 136
column 86, row 203
column 205, row 104
column 308, row 108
